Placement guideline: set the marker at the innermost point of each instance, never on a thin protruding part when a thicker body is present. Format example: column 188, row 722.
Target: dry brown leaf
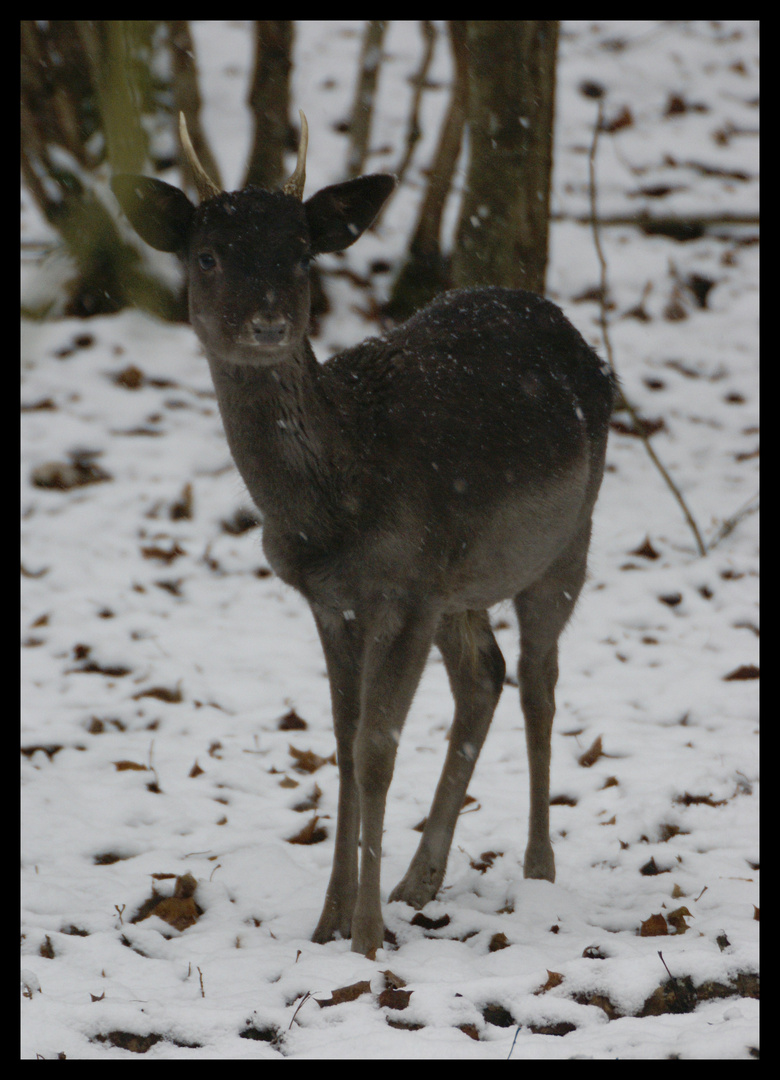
column 291, row 722
column 346, row 993
column 179, row 910
column 162, row 555
column 746, row 671
column 161, row 693
column 498, row 941
column 677, row 919
column 655, row 926
column 178, row 913
column 554, row 978
column 309, row 834
column 591, row 756
column 308, row 761
column 393, row 981
column 395, row 999
column 427, row 923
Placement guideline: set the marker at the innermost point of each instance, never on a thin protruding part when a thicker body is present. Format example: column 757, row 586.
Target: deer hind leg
column 543, row 610
column 476, row 671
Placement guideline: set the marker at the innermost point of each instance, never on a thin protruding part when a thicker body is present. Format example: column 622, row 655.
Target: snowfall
column 176, row 714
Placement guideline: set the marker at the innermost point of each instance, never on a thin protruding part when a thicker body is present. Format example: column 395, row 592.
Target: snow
column 112, row 581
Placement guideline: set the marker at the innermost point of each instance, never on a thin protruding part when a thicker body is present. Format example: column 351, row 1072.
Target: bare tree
column 503, row 230
column 269, row 100
column 365, row 92
column 84, row 85
column 426, row 270
column 186, row 96
column 87, row 86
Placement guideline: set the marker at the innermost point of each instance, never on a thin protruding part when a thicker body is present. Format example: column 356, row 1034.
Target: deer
column 406, row 486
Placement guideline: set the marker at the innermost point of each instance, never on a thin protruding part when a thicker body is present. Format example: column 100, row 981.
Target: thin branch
column 603, row 287
column 654, row 223
column 365, row 92
column 730, row 524
column 419, row 82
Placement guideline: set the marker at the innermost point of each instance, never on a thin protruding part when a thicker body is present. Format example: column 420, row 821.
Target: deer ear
column 339, row 214
column 159, row 213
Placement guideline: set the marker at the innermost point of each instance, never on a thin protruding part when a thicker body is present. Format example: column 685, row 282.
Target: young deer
column 405, row 486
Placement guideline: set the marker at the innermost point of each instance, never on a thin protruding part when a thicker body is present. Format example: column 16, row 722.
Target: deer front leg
column 394, row 661
column 342, row 656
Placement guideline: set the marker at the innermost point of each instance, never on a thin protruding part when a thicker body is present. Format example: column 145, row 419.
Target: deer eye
column 206, row 261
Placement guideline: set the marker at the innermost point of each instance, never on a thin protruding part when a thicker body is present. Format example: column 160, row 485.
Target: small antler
column 204, row 185
column 294, row 186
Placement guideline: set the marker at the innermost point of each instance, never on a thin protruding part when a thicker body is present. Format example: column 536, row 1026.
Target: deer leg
column 476, row 671
column 342, row 656
column 543, row 611
column 393, row 663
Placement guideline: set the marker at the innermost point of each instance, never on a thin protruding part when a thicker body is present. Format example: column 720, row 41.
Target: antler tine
column 294, row 186
column 204, row 185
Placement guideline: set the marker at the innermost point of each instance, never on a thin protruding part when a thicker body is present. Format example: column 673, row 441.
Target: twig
column 668, row 972
column 638, row 425
column 730, row 524
column 156, row 786
column 365, row 91
column 303, row 1000
column 419, row 82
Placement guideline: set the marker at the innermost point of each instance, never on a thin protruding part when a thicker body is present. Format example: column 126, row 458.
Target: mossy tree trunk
column 503, row 230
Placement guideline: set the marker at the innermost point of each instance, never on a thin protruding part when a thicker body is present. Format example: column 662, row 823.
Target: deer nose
column 269, row 329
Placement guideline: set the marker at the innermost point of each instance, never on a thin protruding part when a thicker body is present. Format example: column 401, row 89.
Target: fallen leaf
column 498, row 941
column 554, row 978
column 308, row 761
column 430, row 924
column 393, row 981
column 591, row 755
column 346, row 993
column 291, row 722
column 677, row 919
column 746, row 671
column 655, row 926
column 309, row 834
column 395, row 999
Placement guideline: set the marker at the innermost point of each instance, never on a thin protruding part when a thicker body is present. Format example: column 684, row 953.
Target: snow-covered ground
column 158, row 656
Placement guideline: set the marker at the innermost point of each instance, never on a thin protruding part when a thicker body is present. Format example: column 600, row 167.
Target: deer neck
column 284, row 437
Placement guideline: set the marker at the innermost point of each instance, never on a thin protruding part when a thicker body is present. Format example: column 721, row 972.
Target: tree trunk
column 426, row 271
column 81, row 80
column 503, row 230
column 365, row 91
column 186, row 98
column 269, row 100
